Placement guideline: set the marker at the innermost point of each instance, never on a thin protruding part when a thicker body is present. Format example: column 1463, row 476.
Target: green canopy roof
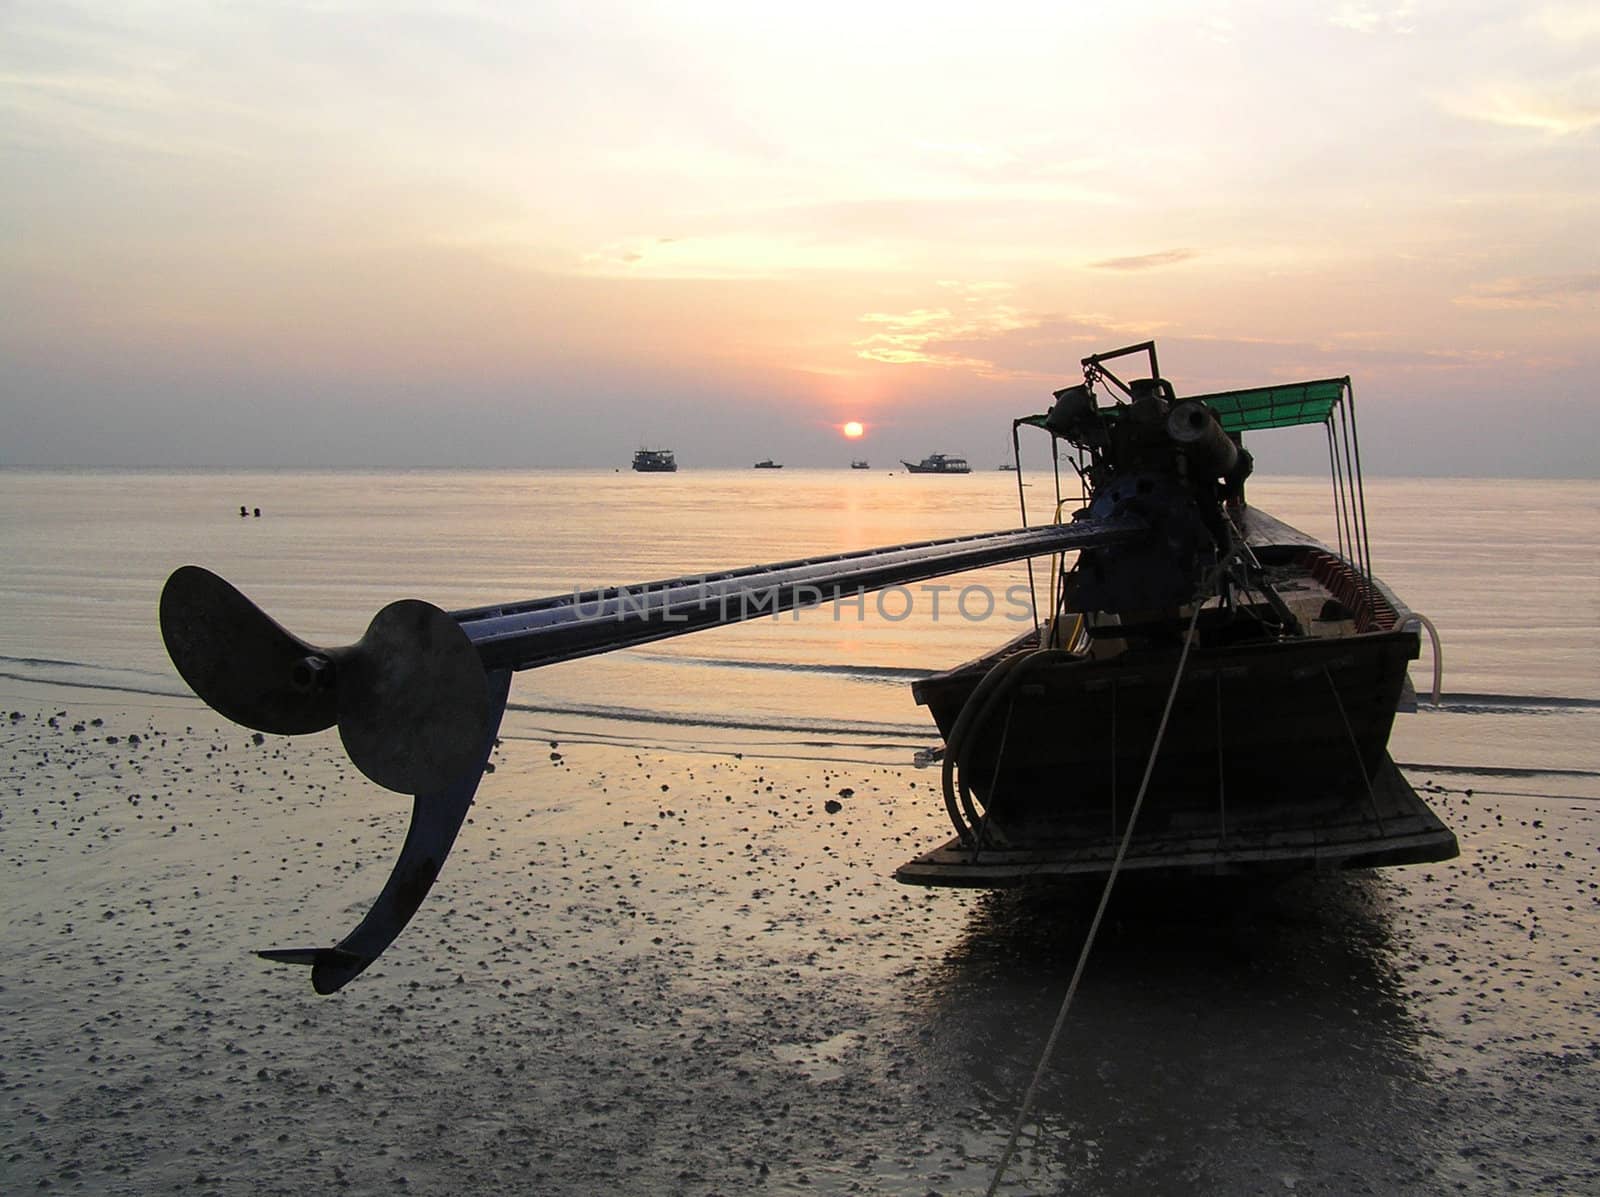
column 1276, row 407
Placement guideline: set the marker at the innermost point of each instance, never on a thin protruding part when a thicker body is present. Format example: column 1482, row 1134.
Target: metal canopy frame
column 1094, row 367
column 1326, row 401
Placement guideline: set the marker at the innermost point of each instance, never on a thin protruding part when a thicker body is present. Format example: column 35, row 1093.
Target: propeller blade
column 436, row 818
column 413, row 699
column 410, row 697
column 240, row 661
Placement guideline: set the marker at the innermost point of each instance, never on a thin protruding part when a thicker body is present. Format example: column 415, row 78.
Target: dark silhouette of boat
column 1204, row 690
column 655, row 461
column 768, row 464
column 1252, row 672
column 938, row 463
column 860, row 463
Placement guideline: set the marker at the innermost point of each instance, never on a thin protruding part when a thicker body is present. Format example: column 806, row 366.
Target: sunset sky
column 458, row 233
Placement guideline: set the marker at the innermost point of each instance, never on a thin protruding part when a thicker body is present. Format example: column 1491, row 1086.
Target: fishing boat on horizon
column 1205, row 690
column 768, row 464
column 938, row 463
column 860, row 463
column 655, row 461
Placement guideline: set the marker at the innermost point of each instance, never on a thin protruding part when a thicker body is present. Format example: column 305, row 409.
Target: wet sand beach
column 666, row 971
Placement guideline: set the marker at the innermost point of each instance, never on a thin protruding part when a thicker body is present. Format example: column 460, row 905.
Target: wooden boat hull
column 1328, row 832
column 1274, row 758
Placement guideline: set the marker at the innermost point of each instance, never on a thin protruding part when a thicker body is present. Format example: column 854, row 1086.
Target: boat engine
column 1169, row 464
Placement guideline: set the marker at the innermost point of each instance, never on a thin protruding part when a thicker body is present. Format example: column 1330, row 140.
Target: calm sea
column 1509, row 571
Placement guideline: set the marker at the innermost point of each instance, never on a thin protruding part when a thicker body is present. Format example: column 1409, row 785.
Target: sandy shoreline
column 651, row 971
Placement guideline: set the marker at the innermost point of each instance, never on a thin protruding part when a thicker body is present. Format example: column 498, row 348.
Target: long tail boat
column 1196, row 660
column 1269, row 753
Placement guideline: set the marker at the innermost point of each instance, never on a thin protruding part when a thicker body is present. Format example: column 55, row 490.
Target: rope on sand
column 1094, row 926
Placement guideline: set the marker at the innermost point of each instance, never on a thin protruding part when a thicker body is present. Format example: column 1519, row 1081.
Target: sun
column 853, row 429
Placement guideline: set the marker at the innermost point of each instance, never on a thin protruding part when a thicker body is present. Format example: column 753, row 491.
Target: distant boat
column 768, row 464
column 860, row 464
column 1006, row 465
column 938, row 463
column 655, row 461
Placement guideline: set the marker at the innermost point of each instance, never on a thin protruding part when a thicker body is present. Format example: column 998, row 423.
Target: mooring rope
column 1094, row 925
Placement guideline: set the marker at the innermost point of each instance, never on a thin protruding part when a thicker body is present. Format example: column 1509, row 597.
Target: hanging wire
column 1351, row 548
column 1333, row 477
column 1355, row 528
column 1055, row 460
column 1361, row 494
column 1022, row 502
column 1355, row 744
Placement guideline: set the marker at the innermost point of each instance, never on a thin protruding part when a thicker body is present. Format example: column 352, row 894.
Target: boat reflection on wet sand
column 1238, row 1037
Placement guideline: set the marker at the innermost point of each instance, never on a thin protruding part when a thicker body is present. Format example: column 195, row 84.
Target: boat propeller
column 410, row 698
column 416, row 709
column 419, row 698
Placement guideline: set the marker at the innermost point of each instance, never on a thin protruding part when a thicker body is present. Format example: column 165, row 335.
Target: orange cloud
column 926, row 336
column 1548, row 291
column 1166, row 257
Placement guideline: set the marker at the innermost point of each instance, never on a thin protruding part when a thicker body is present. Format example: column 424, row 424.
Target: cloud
column 1561, row 106
column 735, row 255
column 990, row 338
column 1568, row 22
column 1544, row 291
column 1039, row 346
column 1167, row 257
column 1375, row 18
column 938, row 337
